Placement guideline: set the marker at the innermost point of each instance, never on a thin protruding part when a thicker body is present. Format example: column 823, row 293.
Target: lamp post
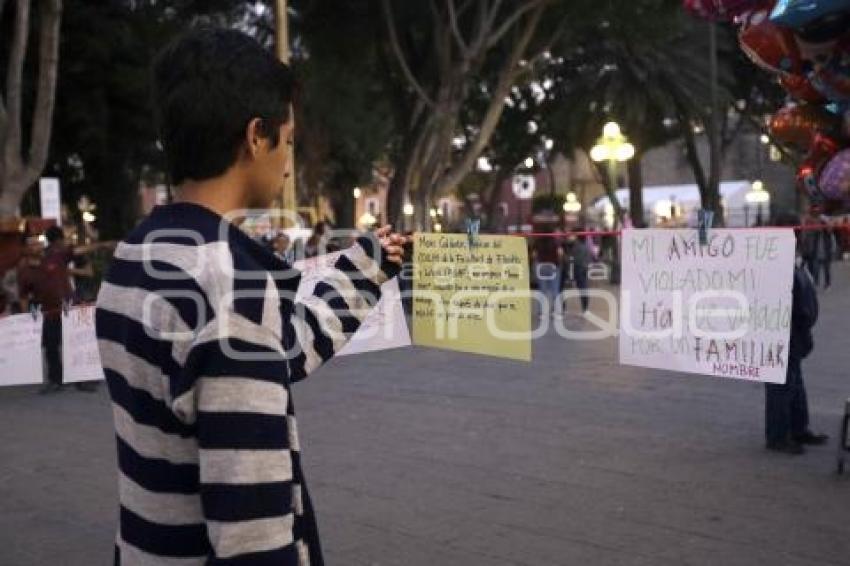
column 408, row 211
column 288, row 200
column 613, row 148
column 86, row 208
column 572, row 205
column 356, row 193
column 756, row 195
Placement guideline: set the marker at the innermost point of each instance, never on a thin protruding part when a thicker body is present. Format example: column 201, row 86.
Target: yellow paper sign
column 472, row 298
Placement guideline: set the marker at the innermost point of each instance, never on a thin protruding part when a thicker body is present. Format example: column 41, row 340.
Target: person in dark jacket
column 786, row 415
column 818, row 251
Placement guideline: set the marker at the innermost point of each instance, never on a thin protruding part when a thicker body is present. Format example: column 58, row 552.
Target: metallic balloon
column 834, row 180
column 799, row 125
column 801, row 88
column 822, row 150
column 833, row 79
column 798, row 13
column 771, row 47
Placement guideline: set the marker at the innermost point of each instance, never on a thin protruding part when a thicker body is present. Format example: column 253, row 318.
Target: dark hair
column 53, row 234
column 208, row 84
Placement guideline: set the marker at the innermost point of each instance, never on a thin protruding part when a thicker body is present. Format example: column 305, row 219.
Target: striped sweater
column 200, row 337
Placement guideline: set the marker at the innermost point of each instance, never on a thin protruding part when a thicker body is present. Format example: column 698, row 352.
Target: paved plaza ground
column 428, row 458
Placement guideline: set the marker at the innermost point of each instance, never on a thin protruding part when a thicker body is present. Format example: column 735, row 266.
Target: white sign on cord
column 50, row 198
column 723, row 309
column 384, row 328
column 80, row 354
column 20, row 350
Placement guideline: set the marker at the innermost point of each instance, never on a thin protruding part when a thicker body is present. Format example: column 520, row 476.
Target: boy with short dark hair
column 200, row 332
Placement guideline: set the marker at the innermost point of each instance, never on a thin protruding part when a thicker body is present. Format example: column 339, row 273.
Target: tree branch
column 497, row 104
column 14, row 79
column 405, row 68
column 461, row 44
column 511, row 20
column 48, row 63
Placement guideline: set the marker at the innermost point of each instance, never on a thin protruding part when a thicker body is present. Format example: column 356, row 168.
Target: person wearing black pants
column 786, row 407
column 51, row 341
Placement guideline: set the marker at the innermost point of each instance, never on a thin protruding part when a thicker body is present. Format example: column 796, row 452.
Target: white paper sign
column 384, row 328
column 20, row 350
column 723, row 309
column 80, row 355
column 51, row 202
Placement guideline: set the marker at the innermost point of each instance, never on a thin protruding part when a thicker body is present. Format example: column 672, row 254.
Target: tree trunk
column 636, row 212
column 712, row 197
column 20, row 169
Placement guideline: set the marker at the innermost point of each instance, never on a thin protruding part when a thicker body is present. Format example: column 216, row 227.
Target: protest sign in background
column 472, row 296
column 80, row 355
column 20, row 350
column 722, row 309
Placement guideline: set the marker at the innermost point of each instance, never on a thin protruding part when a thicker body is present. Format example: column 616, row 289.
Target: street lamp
column 572, row 205
column 757, row 195
column 357, row 193
column 614, row 148
column 408, row 211
column 86, row 208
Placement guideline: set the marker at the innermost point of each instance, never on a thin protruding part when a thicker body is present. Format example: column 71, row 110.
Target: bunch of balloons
column 806, row 44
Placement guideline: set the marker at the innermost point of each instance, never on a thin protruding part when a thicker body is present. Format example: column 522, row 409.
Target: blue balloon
column 797, row 13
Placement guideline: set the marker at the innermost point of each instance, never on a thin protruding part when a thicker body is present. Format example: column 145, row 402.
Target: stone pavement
column 428, row 458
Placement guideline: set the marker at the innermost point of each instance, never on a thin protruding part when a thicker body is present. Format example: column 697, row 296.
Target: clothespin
column 705, row 219
column 473, row 227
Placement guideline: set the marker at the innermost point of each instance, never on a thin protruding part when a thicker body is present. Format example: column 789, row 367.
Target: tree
column 345, row 117
column 104, row 140
column 25, row 146
column 443, row 52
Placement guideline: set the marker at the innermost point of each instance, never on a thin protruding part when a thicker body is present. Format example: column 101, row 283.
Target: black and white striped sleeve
column 322, row 322
column 244, row 442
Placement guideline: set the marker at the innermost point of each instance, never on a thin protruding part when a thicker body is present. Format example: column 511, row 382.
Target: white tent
column 684, row 200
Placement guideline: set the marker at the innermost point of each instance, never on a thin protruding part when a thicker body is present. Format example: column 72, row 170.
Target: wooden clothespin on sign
column 705, row 220
column 473, row 227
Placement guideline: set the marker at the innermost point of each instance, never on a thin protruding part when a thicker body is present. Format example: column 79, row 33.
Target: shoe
column 811, row 439
column 788, row 447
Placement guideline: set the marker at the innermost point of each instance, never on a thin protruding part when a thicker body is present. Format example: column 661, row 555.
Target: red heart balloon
column 771, row 47
column 799, row 125
column 801, row 88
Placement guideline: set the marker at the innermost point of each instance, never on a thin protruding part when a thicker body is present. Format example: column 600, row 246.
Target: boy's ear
column 254, row 138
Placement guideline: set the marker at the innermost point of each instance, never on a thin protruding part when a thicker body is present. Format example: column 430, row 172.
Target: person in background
column 580, row 257
column 818, row 252
column 786, row 414
column 45, row 281
column 547, row 256
column 317, row 243
column 844, row 235
column 281, row 247
column 5, row 310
